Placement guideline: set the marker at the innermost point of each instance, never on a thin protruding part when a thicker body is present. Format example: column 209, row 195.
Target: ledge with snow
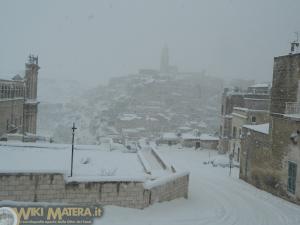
column 37, row 172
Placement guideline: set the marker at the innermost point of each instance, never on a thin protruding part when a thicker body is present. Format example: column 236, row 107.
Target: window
column 253, row 119
column 234, row 132
column 221, row 131
column 292, row 173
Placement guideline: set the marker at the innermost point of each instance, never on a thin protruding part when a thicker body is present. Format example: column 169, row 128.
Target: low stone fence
column 166, row 189
column 52, row 187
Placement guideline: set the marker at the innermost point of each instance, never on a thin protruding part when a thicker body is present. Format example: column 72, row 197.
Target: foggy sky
column 91, row 41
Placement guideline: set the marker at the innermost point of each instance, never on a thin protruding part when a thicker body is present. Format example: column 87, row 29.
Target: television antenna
column 295, row 44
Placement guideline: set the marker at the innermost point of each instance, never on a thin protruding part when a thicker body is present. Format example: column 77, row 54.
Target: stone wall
column 30, row 117
column 11, row 111
column 240, row 118
column 225, row 133
column 209, row 144
column 258, row 104
column 264, row 161
column 177, row 188
column 284, row 150
column 255, row 156
column 46, row 187
column 286, row 73
column 231, row 100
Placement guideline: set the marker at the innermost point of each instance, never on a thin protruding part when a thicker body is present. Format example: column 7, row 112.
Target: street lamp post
column 73, row 134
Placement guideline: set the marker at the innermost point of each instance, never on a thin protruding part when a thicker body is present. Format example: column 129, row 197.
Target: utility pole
column 73, row 134
column 230, row 162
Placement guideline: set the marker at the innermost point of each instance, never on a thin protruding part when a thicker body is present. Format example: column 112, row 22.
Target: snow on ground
column 215, row 198
column 91, row 162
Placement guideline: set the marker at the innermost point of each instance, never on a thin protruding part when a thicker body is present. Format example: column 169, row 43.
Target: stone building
column 230, row 99
column 239, row 108
column 18, row 102
column 270, row 161
column 169, row 139
column 256, row 156
column 241, row 117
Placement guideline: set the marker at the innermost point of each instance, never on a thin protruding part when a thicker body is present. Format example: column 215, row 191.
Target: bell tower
column 164, row 60
column 31, row 77
column 31, row 103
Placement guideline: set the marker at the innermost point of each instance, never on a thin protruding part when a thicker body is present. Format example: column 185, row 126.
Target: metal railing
column 292, row 107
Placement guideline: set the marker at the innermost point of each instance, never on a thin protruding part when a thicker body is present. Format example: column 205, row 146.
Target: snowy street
column 214, row 199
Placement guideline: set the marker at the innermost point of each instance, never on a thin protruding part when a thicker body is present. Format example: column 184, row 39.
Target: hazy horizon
column 92, row 41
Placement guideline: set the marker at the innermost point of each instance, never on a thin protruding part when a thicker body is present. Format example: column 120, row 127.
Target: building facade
column 241, row 117
column 285, row 123
column 250, row 106
column 271, row 160
column 18, row 102
column 230, row 99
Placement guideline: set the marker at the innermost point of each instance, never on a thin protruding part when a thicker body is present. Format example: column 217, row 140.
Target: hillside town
column 162, row 143
column 258, row 134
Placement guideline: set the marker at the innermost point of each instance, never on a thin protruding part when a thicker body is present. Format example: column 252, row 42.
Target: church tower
column 164, row 60
column 31, row 103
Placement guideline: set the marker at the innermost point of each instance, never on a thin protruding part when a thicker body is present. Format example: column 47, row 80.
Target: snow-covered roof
column 208, row 137
column 262, row 85
column 185, row 128
column 250, row 110
column 239, row 115
column 202, row 124
column 133, row 130
column 241, row 109
column 259, row 99
column 129, row 116
column 151, row 118
column 293, row 116
column 202, row 137
column 91, row 162
column 262, row 128
column 31, row 101
column 189, row 136
column 169, row 136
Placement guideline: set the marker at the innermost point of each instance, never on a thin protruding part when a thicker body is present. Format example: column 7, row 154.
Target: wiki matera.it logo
column 8, row 216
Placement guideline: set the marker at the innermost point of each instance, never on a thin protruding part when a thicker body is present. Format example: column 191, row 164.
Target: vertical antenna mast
column 295, row 44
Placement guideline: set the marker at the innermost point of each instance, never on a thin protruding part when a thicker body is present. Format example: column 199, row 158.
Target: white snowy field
column 91, row 162
column 215, row 198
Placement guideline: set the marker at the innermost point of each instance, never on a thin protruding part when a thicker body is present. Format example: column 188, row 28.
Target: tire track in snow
column 239, row 197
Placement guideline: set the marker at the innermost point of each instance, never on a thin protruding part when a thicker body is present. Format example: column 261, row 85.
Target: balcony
column 292, row 108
